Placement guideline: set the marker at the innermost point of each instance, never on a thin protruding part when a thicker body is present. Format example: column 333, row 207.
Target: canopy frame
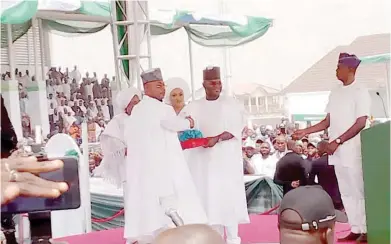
column 131, row 20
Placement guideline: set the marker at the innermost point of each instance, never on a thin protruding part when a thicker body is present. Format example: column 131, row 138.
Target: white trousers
column 351, row 186
column 232, row 233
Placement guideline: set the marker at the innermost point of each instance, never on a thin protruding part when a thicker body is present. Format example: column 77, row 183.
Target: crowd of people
column 263, row 146
column 71, row 99
column 192, row 182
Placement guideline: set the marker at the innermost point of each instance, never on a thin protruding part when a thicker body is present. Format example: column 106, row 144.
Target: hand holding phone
column 19, row 179
column 33, row 184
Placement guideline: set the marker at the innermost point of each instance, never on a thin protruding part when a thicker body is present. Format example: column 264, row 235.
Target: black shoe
column 362, row 238
column 351, row 237
column 10, row 238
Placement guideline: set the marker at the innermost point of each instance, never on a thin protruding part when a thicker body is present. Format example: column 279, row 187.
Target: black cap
column 313, row 205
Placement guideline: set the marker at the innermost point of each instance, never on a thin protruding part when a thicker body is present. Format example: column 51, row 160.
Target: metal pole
column 136, row 47
column 42, row 47
column 117, row 63
column 114, row 32
column 85, row 176
column 10, row 52
column 34, row 30
column 191, row 68
column 148, row 35
column 28, row 51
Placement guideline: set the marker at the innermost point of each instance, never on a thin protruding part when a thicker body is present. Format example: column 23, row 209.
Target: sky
column 303, row 32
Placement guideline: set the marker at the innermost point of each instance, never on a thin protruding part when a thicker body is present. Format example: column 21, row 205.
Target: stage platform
column 262, row 229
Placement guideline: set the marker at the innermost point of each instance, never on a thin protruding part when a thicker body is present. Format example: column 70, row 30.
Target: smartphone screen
column 68, row 200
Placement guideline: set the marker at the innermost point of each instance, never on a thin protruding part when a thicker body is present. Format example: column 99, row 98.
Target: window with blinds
column 23, row 50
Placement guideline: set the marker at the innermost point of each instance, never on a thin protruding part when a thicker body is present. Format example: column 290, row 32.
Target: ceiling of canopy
column 204, row 29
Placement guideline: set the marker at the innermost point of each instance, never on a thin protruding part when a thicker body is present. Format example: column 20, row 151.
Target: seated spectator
column 312, row 150
column 263, row 163
column 307, row 216
column 299, row 148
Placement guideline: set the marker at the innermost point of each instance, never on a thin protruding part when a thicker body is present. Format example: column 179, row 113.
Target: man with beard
column 263, row 163
column 219, row 165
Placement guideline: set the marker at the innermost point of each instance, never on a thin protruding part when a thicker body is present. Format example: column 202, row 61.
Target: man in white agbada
column 219, row 175
column 158, row 178
column 113, row 142
column 347, row 112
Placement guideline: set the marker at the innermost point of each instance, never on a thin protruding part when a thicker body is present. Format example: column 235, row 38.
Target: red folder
column 193, row 143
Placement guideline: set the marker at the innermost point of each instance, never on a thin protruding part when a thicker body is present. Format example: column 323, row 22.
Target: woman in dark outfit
column 8, row 144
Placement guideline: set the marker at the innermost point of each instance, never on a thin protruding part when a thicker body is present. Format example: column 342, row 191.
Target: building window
column 254, row 101
column 275, row 99
column 261, row 101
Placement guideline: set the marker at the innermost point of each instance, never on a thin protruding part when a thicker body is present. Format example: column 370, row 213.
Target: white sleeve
column 174, row 122
column 362, row 103
column 236, row 120
column 328, row 106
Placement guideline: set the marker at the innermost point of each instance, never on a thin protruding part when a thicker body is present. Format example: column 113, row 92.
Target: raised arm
column 176, row 123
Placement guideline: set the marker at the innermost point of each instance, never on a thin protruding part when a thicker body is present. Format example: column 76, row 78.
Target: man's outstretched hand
column 19, row 178
column 212, row 141
column 299, row 134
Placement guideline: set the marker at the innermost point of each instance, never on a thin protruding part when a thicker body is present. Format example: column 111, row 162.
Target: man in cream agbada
column 158, row 180
column 217, row 169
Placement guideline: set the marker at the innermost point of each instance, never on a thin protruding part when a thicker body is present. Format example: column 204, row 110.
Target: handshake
column 19, row 177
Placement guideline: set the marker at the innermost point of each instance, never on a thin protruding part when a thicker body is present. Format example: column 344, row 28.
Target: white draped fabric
column 157, row 175
column 113, row 143
column 112, row 167
column 218, row 171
